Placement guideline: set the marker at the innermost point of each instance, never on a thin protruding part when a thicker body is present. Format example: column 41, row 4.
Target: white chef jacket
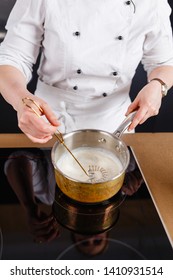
column 43, row 179
column 90, row 50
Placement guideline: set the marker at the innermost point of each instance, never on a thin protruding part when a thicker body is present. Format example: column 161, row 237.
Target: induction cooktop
column 37, row 221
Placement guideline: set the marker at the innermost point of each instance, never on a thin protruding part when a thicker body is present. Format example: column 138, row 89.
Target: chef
column 90, row 50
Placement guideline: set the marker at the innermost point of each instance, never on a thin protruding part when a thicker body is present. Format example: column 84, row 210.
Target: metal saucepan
column 102, row 153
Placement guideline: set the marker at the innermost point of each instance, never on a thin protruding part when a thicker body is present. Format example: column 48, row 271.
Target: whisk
column 28, row 102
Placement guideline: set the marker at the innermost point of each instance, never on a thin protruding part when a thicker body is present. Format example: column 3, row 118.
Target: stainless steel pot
column 89, row 192
column 86, row 218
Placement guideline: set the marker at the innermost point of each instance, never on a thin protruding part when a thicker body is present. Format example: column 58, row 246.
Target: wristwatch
column 164, row 87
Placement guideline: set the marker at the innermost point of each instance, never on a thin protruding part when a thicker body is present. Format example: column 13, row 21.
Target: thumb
column 133, row 106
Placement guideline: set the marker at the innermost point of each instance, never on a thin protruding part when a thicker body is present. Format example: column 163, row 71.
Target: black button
column 115, row 73
column 104, row 94
column 128, row 2
column 120, row 37
column 75, row 87
column 77, row 33
column 79, row 71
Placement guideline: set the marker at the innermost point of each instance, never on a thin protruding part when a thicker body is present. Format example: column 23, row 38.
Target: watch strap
column 164, row 88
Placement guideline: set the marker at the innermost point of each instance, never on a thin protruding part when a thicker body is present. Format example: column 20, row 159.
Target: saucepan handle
column 124, row 125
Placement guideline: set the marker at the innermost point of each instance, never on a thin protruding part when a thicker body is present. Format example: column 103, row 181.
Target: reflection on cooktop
column 38, row 221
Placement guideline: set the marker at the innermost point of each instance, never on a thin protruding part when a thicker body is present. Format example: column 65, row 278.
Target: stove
column 39, row 222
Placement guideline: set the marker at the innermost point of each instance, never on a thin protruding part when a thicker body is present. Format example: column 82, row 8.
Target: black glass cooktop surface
column 37, row 221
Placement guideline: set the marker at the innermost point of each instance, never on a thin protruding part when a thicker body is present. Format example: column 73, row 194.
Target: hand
column 37, row 128
column 147, row 104
column 43, row 228
column 133, row 181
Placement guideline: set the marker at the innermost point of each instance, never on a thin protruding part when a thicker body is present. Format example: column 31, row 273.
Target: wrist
column 163, row 86
column 21, row 94
column 31, row 210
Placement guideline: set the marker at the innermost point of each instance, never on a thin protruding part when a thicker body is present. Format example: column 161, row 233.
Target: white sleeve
column 22, row 42
column 158, row 45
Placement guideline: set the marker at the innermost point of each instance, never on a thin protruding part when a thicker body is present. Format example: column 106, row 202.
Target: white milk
column 104, row 164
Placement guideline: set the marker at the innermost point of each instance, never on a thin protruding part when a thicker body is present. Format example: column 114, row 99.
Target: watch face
column 164, row 90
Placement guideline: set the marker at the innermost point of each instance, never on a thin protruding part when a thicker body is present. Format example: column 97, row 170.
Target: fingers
column 143, row 112
column 37, row 128
column 44, row 238
column 146, row 104
column 133, row 106
column 38, row 140
column 131, row 184
column 140, row 117
column 45, row 230
column 51, row 117
column 30, row 124
column 44, row 220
